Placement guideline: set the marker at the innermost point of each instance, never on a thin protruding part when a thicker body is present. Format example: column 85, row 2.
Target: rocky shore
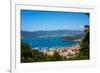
column 67, row 52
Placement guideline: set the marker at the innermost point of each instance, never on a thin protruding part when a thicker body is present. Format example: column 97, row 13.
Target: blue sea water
column 48, row 42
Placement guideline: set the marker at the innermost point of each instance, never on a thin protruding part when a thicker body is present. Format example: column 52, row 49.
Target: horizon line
column 51, row 30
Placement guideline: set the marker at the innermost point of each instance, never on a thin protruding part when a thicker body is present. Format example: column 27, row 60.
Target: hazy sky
column 32, row 20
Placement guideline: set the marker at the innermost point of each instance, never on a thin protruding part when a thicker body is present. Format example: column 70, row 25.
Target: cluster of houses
column 64, row 51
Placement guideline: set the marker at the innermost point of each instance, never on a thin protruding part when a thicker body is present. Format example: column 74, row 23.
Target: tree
column 85, row 42
column 31, row 55
column 26, row 53
column 55, row 57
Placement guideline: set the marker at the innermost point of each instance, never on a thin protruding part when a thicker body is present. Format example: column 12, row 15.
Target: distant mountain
column 50, row 33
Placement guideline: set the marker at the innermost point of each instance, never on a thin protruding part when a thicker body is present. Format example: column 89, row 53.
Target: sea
column 42, row 43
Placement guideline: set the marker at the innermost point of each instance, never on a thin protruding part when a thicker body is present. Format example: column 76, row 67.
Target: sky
column 36, row 20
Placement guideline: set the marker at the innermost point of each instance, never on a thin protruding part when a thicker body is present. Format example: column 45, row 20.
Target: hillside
column 74, row 37
column 50, row 33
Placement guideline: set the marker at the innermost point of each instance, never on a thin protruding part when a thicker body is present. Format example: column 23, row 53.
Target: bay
column 48, row 42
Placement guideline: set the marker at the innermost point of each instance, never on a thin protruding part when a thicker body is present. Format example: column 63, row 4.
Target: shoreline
column 68, row 52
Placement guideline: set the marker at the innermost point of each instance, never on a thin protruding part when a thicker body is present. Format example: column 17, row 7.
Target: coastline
column 66, row 51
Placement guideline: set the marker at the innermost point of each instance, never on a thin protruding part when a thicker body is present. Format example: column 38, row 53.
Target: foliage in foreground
column 85, row 43
column 32, row 55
